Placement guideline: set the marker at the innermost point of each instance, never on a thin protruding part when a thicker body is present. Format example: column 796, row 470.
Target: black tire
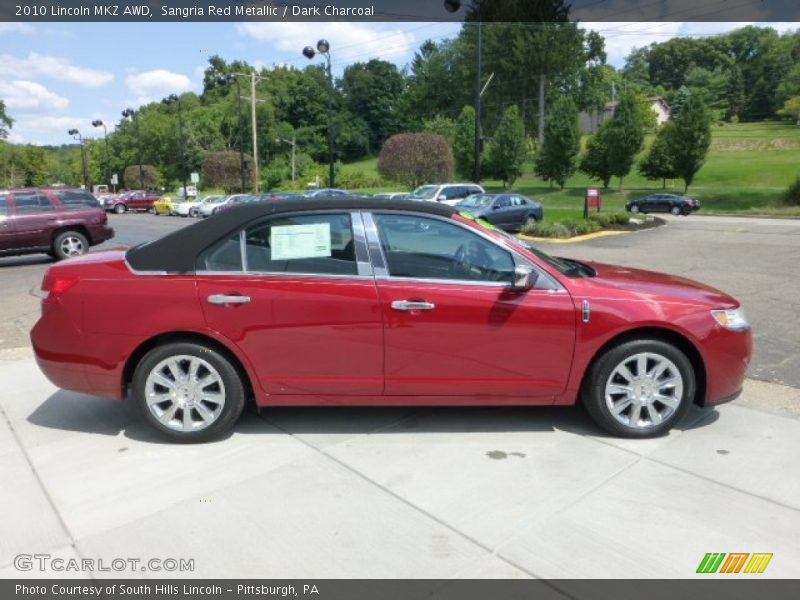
column 676, row 210
column 193, row 212
column 531, row 219
column 120, row 208
column 593, row 390
column 69, row 243
column 635, row 208
column 234, row 390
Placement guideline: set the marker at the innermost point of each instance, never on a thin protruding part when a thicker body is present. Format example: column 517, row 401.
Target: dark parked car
column 507, row 211
column 361, row 302
column 59, row 222
column 131, row 200
column 671, row 203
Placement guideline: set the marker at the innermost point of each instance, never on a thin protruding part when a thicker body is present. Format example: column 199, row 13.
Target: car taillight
column 54, row 286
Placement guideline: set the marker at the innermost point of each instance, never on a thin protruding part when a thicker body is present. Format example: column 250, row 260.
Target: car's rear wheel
column 639, row 389
column 70, row 243
column 193, row 212
column 120, row 208
column 634, row 208
column 676, row 210
column 188, row 392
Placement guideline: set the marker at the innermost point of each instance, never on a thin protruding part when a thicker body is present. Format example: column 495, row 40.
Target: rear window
column 77, row 199
column 3, row 205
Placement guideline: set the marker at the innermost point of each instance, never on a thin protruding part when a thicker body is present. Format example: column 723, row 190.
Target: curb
column 577, row 238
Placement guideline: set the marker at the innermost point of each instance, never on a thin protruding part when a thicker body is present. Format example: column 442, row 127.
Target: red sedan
column 372, row 302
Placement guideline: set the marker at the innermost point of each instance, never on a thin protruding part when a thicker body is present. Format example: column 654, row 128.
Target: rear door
column 35, row 218
column 296, row 294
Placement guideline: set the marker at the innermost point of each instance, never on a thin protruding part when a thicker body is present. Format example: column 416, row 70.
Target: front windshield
column 425, row 192
column 477, row 201
column 213, row 199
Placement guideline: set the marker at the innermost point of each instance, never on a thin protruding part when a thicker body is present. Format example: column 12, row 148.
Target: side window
column 502, row 202
column 77, row 199
column 3, row 205
column 29, row 203
column 517, row 201
column 423, row 248
column 453, row 192
column 225, row 255
column 474, row 189
column 314, row 244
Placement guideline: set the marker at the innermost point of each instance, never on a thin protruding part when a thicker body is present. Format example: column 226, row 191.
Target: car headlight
column 731, row 318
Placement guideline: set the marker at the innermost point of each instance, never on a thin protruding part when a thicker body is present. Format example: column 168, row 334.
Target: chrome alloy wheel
column 644, row 390
column 185, row 393
column 72, row 246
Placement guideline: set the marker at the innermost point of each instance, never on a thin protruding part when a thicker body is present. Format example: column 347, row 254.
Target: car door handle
column 412, row 305
column 228, row 299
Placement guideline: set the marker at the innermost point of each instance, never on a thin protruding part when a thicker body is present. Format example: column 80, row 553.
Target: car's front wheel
column 193, row 212
column 639, row 389
column 531, row 220
column 188, row 392
column 120, row 208
column 634, row 208
column 676, row 210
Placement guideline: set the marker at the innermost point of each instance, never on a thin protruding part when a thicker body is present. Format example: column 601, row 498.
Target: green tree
column 791, row 108
column 441, row 125
column 595, row 161
column 624, row 133
column 150, row 177
column 657, row 163
column 5, row 121
column 688, row 139
column 224, row 169
column 508, row 149
column 556, row 160
column 464, row 143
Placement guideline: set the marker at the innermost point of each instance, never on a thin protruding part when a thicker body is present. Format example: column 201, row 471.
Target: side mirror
column 524, row 278
column 442, row 198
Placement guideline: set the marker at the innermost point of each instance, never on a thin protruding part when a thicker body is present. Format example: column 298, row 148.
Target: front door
column 302, row 308
column 453, row 326
column 7, row 230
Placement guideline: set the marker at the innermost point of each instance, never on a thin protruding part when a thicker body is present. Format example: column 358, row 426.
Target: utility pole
column 293, row 143
column 253, row 118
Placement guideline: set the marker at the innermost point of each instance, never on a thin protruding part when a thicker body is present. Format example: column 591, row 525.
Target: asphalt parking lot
column 423, row 493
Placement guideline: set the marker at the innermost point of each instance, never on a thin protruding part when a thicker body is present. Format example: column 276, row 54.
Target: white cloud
column 37, row 65
column 29, row 96
column 15, row 28
column 150, row 86
column 349, row 41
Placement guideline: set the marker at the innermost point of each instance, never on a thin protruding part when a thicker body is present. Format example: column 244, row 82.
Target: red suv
column 131, row 200
column 60, row 222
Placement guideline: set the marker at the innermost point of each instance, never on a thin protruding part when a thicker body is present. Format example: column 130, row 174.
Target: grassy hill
column 748, row 166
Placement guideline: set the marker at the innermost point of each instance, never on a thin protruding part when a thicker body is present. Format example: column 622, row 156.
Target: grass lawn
column 748, row 166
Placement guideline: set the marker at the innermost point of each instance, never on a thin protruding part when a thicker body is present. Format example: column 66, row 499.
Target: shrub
column 791, row 197
column 149, row 180
column 415, row 158
column 607, row 219
column 223, row 170
column 354, row 180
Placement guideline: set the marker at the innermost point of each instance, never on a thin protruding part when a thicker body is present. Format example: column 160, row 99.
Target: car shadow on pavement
column 80, row 413
column 25, row 261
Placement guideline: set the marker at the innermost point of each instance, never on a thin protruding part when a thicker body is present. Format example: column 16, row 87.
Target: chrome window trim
column 255, row 274
column 382, row 273
column 363, row 264
column 242, row 249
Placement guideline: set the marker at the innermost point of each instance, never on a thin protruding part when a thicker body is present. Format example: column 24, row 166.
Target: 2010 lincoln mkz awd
column 358, row 302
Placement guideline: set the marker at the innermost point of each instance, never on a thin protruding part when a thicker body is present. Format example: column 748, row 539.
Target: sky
column 58, row 76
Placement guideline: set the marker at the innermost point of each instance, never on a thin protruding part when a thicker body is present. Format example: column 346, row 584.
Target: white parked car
column 446, row 193
column 215, row 204
column 191, row 207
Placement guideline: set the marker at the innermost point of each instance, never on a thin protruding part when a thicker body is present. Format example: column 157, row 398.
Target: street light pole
column 323, row 47
column 174, row 99
column 77, row 135
column 129, row 112
column 99, row 123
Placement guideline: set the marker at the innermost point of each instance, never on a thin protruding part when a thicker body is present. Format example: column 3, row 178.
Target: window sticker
column 300, row 241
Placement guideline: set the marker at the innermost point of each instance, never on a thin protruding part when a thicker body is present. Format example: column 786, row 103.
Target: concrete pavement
column 408, row 493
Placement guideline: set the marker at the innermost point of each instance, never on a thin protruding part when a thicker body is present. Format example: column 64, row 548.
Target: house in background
column 590, row 122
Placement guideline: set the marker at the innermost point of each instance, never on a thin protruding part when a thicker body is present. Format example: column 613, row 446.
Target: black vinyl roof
column 177, row 252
